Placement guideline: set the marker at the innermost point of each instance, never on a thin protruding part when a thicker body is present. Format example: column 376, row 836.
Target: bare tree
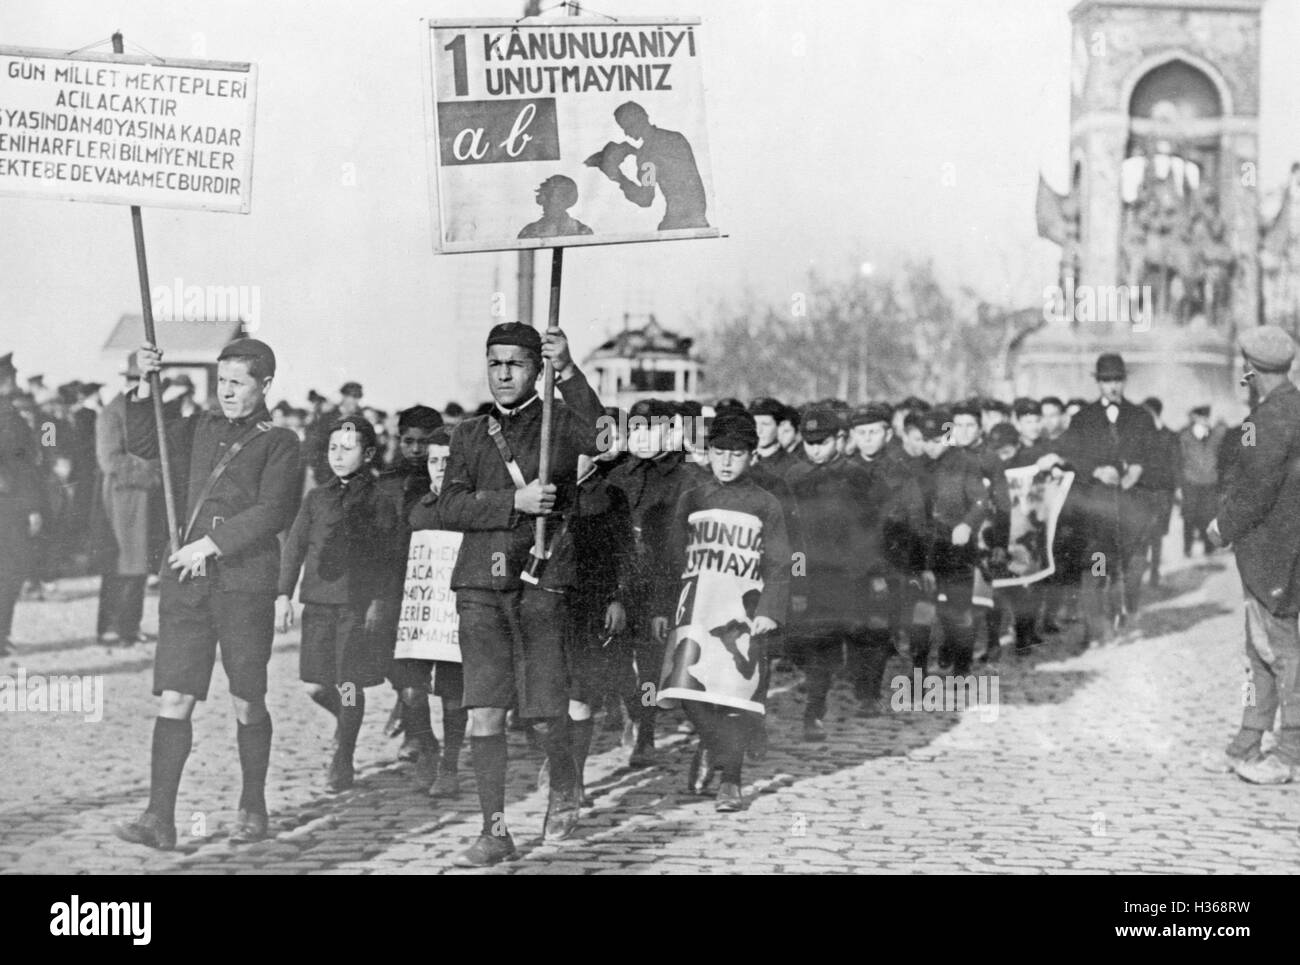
column 857, row 338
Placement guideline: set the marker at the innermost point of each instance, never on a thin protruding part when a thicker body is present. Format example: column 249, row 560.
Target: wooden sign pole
column 155, row 381
column 548, row 404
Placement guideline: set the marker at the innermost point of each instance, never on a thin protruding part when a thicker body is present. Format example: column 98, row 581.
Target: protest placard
column 580, row 131
column 121, row 129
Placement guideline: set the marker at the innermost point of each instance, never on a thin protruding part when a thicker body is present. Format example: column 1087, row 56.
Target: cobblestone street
column 1089, row 765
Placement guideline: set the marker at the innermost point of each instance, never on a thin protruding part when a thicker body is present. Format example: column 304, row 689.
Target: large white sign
column 579, row 131
column 126, row 130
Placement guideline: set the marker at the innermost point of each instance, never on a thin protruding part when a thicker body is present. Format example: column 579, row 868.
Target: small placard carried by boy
column 428, row 628
column 1036, row 501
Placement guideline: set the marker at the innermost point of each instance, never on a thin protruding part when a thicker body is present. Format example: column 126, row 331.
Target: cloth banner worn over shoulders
column 711, row 655
column 428, row 628
column 1036, row 501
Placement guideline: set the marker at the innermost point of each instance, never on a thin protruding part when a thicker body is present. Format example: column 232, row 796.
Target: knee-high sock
column 171, row 747
column 350, row 724
column 730, row 750
column 817, row 676
column 704, row 719
column 645, row 724
column 961, row 645
column 875, row 656
column 918, row 642
column 722, row 734
column 415, row 715
column 1024, row 631
column 580, row 743
column 490, row 774
column 454, row 720
column 254, row 758
column 555, row 742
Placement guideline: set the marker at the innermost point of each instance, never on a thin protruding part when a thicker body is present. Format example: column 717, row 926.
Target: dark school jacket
column 255, row 498
column 478, row 495
column 341, row 541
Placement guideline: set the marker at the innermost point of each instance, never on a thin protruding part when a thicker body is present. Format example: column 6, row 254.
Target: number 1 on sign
column 459, row 69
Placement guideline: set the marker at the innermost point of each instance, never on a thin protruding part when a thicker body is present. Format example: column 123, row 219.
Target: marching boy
column 340, row 543
column 412, row 675
column 406, row 482
column 511, row 630
column 237, row 484
column 729, row 542
column 956, row 503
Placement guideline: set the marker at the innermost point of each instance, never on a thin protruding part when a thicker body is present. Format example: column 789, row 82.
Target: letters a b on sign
column 120, row 129
column 577, row 131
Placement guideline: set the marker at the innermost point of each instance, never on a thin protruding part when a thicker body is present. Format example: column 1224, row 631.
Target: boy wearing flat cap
column 1259, row 514
column 511, row 632
column 237, row 484
column 729, row 542
column 957, row 504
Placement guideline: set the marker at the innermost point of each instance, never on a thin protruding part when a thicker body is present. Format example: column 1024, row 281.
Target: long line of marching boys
column 891, row 514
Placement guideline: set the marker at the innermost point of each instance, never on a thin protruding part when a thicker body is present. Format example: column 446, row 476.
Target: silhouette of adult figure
column 664, row 161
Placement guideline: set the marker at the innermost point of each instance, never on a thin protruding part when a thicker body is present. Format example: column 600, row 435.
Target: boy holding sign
column 448, row 679
column 729, row 543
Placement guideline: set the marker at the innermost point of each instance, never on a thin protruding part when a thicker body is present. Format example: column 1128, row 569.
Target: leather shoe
column 562, row 811
column 729, row 797
column 249, row 827
column 1221, row 762
column 148, row 829
column 426, row 768
column 1269, row 769
column 447, row 784
column 643, row 755
column 488, row 850
column 814, row 731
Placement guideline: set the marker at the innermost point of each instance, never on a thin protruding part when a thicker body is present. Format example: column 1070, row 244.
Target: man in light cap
column 511, row 631
column 1259, row 514
column 1109, row 445
column 237, row 483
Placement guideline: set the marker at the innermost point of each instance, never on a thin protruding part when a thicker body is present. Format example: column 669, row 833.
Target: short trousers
column 412, row 674
column 512, row 644
column 337, row 650
column 600, row 663
column 194, row 619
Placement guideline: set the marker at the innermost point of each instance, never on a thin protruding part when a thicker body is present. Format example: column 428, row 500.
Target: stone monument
column 1160, row 227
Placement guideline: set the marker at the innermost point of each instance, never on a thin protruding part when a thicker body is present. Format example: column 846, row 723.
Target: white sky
column 831, row 122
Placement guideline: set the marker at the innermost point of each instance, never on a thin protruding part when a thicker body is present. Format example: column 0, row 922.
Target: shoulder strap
column 217, row 472
column 503, row 447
